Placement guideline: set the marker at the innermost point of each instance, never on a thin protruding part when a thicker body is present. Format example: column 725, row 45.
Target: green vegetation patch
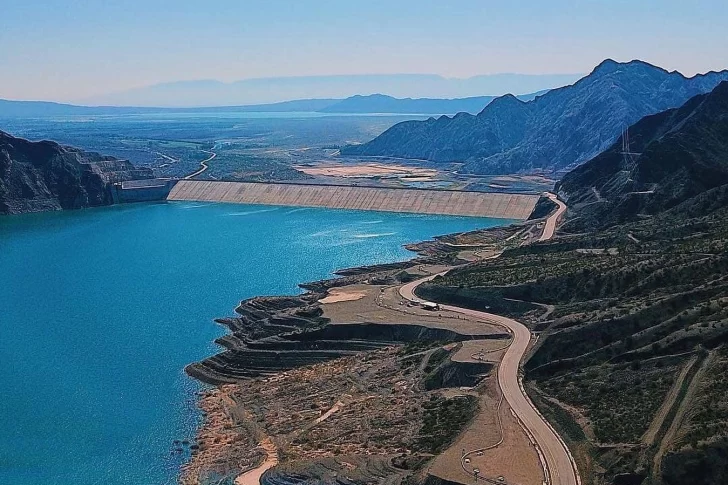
column 619, row 400
column 443, row 420
column 709, row 414
column 479, row 298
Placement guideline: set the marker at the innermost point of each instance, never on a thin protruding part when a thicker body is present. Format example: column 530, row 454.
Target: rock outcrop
column 40, row 176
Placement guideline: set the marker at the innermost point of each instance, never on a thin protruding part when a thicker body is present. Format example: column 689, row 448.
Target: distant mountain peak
column 610, row 66
column 373, row 96
column 271, row 90
column 607, row 65
column 505, row 101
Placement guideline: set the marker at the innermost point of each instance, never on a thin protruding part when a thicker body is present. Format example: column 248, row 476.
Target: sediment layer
column 275, row 334
column 420, row 201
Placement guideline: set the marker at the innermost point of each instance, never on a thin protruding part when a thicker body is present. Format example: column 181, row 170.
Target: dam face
column 420, row 201
column 145, row 190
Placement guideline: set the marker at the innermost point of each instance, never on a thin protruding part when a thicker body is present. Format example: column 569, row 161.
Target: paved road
column 548, row 231
column 203, row 166
column 558, row 460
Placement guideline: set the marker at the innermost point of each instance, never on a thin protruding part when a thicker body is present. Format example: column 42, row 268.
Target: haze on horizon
column 56, row 51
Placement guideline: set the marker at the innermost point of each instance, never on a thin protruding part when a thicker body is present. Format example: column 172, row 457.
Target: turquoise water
column 101, row 310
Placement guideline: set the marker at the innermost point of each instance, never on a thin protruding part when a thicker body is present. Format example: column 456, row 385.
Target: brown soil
column 382, row 305
column 225, row 444
column 252, row 477
column 515, row 458
column 349, row 293
column 481, row 351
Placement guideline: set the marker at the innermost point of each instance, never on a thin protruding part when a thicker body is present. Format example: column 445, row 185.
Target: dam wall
column 420, row 201
column 146, row 190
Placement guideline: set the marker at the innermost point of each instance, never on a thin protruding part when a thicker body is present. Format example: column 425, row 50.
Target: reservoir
column 103, row 308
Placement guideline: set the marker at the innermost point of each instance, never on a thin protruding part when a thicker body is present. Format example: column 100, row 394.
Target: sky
column 66, row 50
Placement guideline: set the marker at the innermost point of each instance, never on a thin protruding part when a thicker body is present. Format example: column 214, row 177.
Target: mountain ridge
column 362, row 104
column 555, row 131
column 275, row 89
column 673, row 156
column 382, row 103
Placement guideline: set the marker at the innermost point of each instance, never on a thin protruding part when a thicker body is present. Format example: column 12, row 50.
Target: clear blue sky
column 70, row 49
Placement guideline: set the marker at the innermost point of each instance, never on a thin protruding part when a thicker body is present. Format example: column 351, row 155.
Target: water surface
column 103, row 308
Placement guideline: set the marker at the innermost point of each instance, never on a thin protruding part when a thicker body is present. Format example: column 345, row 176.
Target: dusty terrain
column 369, row 405
column 382, row 304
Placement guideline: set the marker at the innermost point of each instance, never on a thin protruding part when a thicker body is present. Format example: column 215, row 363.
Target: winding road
column 203, row 165
column 555, row 456
column 548, row 230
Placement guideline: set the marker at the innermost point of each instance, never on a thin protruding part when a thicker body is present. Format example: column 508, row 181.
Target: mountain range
column 555, row 131
column 32, row 109
column 630, row 303
column 275, row 89
column 670, row 157
column 373, row 103
column 380, row 103
column 40, row 176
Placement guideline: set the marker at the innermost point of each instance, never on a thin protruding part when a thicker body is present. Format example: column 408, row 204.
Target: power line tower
column 627, row 154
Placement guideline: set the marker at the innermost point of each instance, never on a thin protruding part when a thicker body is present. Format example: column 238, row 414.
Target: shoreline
column 445, row 249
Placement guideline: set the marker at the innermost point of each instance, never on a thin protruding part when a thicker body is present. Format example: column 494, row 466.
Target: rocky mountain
column 555, row 131
column 661, row 161
column 40, row 176
column 630, row 303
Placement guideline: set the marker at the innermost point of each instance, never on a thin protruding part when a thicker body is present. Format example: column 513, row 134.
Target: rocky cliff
column 40, row 176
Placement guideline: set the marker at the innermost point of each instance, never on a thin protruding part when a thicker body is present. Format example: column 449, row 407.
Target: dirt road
column 561, row 468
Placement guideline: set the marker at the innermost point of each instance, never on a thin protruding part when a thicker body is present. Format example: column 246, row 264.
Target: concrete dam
column 144, row 190
column 420, row 201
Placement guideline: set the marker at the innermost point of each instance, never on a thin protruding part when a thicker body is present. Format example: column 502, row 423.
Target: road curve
column 203, row 166
column 561, row 468
column 550, row 227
